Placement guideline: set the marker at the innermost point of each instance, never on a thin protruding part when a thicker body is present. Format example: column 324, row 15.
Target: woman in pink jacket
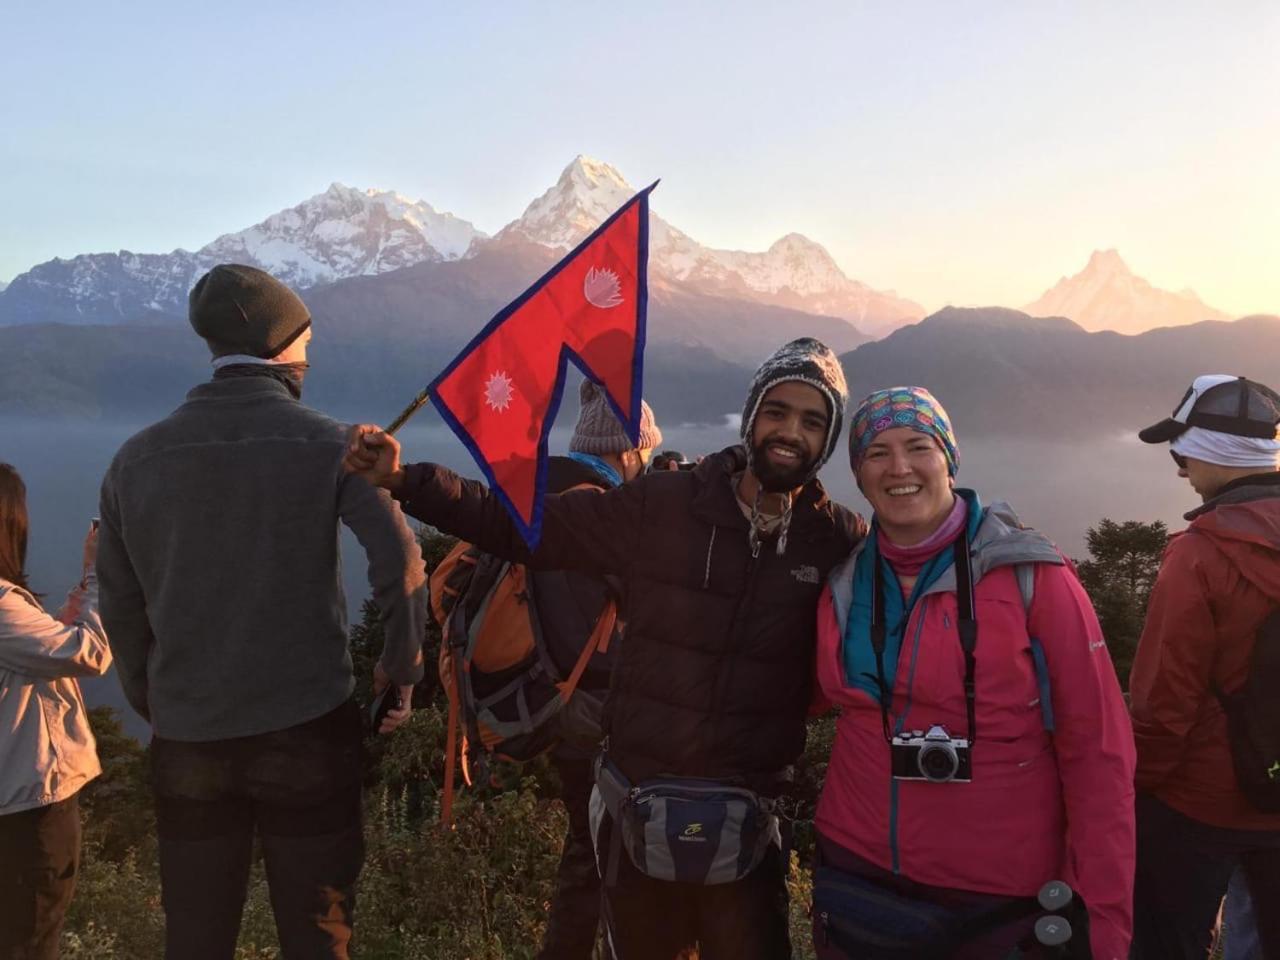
column 983, row 747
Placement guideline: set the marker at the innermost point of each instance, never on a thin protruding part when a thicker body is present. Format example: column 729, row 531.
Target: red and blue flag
column 501, row 393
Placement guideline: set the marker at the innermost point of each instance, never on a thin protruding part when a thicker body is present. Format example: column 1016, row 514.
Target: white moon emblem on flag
column 602, row 288
column 498, row 391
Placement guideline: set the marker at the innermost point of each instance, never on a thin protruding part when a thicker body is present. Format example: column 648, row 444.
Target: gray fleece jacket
column 219, row 568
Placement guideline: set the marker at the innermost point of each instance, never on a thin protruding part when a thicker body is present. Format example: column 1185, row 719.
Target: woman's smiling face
column 903, row 474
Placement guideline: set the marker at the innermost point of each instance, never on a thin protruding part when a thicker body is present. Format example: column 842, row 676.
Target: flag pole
column 414, row 406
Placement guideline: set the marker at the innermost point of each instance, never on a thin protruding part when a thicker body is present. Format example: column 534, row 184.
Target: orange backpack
column 500, row 680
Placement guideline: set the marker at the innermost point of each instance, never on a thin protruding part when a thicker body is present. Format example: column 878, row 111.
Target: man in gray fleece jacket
column 221, row 594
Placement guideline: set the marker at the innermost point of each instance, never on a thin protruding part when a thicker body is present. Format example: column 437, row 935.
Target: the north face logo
column 805, row 574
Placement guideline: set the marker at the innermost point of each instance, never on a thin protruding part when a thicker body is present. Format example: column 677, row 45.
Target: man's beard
column 774, row 478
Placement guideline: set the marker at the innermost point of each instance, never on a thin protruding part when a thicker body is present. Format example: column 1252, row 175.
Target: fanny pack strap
column 613, row 787
column 615, row 853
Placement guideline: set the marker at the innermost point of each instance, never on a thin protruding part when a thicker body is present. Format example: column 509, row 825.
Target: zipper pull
column 826, row 934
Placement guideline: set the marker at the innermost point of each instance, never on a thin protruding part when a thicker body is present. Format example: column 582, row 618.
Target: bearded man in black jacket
column 722, row 567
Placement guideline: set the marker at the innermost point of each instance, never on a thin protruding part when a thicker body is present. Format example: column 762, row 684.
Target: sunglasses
column 1179, row 459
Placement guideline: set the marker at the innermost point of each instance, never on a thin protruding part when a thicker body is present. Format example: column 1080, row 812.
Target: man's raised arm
column 583, row 530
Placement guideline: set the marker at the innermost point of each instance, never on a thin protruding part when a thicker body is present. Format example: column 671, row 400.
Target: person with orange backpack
column 600, row 455
column 526, row 659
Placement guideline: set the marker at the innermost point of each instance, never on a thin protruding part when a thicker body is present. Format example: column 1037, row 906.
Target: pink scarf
column 910, row 560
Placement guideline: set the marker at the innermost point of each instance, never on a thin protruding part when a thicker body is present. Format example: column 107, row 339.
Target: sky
column 953, row 151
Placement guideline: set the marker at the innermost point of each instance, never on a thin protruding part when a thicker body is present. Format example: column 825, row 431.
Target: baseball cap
column 1223, row 403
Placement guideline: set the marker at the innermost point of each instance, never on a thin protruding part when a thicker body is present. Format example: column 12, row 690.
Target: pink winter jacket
column 1041, row 806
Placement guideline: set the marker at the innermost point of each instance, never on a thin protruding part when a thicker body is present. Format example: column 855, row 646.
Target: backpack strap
column 1041, row 664
column 1026, row 575
column 451, row 744
column 598, row 640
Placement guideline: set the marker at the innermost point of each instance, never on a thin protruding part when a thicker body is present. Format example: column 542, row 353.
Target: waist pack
column 865, row 920
column 1253, row 721
column 684, row 829
column 505, row 691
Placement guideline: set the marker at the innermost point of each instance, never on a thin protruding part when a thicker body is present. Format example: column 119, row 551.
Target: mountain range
column 345, row 233
column 1001, row 372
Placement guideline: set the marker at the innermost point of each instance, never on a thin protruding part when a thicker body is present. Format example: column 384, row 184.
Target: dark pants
column 575, row 907
column 300, row 790
column 39, row 857
column 647, row 919
column 1183, row 870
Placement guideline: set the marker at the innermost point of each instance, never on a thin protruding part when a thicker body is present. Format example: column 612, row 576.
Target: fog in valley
column 1059, row 488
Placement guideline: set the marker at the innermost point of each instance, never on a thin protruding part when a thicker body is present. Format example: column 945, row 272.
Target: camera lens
column 938, row 762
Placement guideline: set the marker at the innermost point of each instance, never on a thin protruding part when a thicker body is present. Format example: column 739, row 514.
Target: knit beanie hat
column 244, row 310
column 808, row 361
column 912, row 407
column 600, row 431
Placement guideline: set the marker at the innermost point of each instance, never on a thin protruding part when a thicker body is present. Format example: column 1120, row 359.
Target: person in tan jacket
column 47, row 752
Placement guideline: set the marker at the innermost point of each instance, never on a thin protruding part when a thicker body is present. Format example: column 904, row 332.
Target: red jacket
column 1218, row 581
column 1039, row 807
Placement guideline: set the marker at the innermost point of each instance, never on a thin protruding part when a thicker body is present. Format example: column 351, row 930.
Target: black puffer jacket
column 717, row 661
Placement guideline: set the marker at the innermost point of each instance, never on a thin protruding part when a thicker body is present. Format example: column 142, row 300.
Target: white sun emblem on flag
column 602, row 288
column 498, row 391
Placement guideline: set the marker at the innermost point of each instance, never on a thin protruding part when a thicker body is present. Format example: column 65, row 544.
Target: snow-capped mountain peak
column 593, row 174
column 587, row 191
column 342, row 232
column 1107, row 295
column 345, row 232
column 1106, row 262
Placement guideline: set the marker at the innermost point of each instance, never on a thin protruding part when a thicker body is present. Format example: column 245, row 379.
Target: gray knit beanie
column 808, row 361
column 240, row 309
column 600, row 431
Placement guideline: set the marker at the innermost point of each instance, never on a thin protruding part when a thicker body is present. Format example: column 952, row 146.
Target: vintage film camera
column 933, row 755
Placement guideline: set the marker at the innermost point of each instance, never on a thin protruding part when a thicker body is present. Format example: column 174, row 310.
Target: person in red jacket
column 983, row 748
column 1219, row 579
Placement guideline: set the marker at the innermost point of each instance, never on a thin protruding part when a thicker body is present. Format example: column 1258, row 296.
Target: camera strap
column 967, row 626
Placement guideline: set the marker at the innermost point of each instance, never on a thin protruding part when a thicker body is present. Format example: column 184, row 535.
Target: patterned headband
column 911, row 407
